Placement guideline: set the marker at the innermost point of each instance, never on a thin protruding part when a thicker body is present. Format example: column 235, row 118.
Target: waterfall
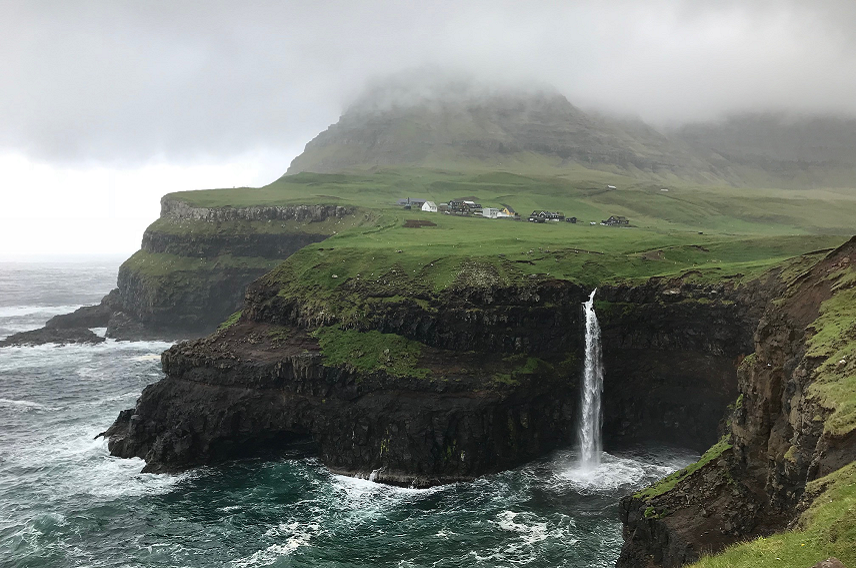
column 590, row 416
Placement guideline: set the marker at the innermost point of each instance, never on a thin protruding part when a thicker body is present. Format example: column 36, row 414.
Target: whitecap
column 48, row 311
column 298, row 537
column 531, row 532
column 26, row 405
column 147, row 357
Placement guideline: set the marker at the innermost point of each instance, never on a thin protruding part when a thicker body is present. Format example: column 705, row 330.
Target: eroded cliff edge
column 414, row 385
column 791, row 436
column 193, row 268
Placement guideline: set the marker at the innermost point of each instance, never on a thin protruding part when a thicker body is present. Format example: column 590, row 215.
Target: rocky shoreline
column 461, row 411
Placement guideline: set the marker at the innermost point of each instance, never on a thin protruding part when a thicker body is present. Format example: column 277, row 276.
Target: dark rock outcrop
column 70, row 328
column 45, row 335
column 88, row 316
column 242, row 390
column 778, row 431
column 671, row 350
column 263, row 381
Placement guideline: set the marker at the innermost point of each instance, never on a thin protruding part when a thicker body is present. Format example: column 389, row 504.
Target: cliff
column 428, row 387
column 790, row 438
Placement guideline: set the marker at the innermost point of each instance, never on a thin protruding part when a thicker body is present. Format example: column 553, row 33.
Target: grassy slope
column 834, row 342
column 744, row 230
column 827, row 528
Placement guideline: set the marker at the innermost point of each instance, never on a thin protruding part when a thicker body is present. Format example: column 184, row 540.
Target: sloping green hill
column 461, row 127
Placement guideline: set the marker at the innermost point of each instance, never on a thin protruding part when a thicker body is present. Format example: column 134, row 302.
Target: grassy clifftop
column 717, row 231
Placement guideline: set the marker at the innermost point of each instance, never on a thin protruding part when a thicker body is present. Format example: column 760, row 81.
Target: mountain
column 420, row 120
column 459, row 124
column 788, row 150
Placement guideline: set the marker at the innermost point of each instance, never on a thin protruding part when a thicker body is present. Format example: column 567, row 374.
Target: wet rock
column 757, row 487
column 61, row 336
column 85, row 317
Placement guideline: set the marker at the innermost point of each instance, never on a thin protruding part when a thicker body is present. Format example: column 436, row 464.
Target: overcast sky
column 108, row 105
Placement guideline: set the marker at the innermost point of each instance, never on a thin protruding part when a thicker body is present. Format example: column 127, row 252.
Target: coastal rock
column 776, row 441
column 496, row 383
column 85, row 317
column 243, row 391
column 45, row 335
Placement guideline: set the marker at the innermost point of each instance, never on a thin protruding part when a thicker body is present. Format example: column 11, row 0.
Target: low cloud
column 128, row 83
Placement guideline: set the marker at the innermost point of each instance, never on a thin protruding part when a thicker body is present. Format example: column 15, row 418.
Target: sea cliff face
column 791, row 426
column 440, row 388
column 196, row 262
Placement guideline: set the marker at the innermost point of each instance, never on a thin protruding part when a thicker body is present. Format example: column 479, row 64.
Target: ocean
column 65, row 502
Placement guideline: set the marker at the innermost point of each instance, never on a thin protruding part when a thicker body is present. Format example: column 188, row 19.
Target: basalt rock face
column 196, row 262
column 453, row 417
column 245, row 389
column 265, row 381
column 671, row 349
column 178, row 303
column 778, row 438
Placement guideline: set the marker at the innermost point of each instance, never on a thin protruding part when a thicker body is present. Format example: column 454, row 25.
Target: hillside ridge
column 458, row 124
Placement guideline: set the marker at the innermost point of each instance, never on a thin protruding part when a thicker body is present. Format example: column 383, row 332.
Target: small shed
column 429, row 207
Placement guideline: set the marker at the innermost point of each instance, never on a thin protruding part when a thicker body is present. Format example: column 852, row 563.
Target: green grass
column 834, row 341
column 827, row 528
column 157, row 265
column 670, row 481
column 329, row 226
column 582, row 193
column 743, row 231
column 230, row 321
column 371, row 351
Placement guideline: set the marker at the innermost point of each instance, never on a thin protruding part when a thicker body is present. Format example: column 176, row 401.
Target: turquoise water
column 65, row 502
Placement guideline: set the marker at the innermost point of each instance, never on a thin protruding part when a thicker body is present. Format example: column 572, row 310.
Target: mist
column 127, row 83
column 109, row 105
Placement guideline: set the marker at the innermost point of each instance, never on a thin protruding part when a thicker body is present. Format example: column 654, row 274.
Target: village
column 468, row 207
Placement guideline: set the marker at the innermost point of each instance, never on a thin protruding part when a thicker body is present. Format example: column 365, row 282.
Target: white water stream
column 591, row 418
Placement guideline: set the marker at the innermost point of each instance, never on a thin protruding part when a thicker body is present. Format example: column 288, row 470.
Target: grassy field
column 729, row 210
column 719, row 231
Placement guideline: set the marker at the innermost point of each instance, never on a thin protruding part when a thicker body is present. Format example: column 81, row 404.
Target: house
column 544, row 216
column 464, row 207
column 571, row 219
column 410, row 202
column 429, row 207
column 490, row 212
column 616, row 221
column 508, row 211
